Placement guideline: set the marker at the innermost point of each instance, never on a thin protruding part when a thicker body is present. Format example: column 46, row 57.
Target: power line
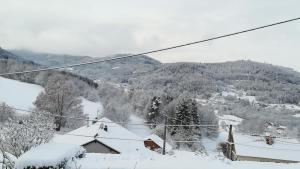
column 135, row 124
column 152, row 51
column 180, row 141
column 110, row 138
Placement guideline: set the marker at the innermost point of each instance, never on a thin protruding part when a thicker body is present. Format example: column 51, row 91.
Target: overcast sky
column 104, row 27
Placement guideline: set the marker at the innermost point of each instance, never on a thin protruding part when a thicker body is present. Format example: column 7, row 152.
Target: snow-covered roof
column 51, row 154
column 255, row 146
column 117, row 137
column 159, row 141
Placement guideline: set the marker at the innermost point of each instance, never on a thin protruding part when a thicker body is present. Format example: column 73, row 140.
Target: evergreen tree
column 186, row 114
column 153, row 112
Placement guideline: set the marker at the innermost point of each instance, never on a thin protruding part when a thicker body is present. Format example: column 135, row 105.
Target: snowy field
column 22, row 95
column 240, row 95
column 92, row 109
column 18, row 94
column 180, row 160
column 229, row 119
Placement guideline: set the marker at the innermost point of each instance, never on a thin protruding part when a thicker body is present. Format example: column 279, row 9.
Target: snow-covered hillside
column 92, row 109
column 22, row 95
column 18, row 94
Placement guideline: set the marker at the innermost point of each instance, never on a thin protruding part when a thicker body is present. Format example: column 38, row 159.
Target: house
column 255, row 148
column 104, row 136
column 154, row 143
column 50, row 155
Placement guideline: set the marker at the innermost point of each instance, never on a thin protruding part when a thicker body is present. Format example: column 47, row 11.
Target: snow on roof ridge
column 116, row 136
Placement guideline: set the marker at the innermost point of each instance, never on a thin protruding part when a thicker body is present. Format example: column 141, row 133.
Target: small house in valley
column 104, row 136
column 155, row 143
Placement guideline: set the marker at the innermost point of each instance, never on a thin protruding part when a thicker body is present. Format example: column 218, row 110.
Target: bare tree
column 60, row 98
column 5, row 112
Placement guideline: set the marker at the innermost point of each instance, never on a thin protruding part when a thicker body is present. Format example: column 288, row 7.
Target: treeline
column 270, row 84
column 11, row 63
column 154, row 107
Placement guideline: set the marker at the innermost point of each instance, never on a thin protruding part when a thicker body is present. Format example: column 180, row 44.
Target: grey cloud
column 99, row 28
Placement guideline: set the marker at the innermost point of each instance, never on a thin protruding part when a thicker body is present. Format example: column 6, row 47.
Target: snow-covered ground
column 140, row 130
column 21, row 95
column 284, row 106
column 240, row 95
column 229, row 119
column 284, row 149
column 18, row 94
column 180, row 160
column 92, row 109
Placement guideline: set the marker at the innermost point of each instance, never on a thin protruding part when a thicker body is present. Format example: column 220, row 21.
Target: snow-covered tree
column 186, row 114
column 208, row 117
column 7, row 162
column 5, row 112
column 153, row 110
column 60, row 98
column 117, row 112
column 20, row 135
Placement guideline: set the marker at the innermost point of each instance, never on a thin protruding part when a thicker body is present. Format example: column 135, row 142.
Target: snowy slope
column 22, row 95
column 18, row 94
column 92, row 109
column 140, row 130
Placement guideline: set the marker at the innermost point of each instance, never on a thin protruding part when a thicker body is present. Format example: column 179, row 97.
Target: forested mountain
column 269, row 83
column 118, row 71
column 10, row 62
column 272, row 84
column 258, row 92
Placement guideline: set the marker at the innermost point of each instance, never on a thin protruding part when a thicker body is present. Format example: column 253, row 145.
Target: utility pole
column 230, row 145
column 165, row 137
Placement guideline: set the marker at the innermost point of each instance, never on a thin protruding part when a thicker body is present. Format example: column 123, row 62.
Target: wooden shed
column 154, row 142
column 150, row 144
